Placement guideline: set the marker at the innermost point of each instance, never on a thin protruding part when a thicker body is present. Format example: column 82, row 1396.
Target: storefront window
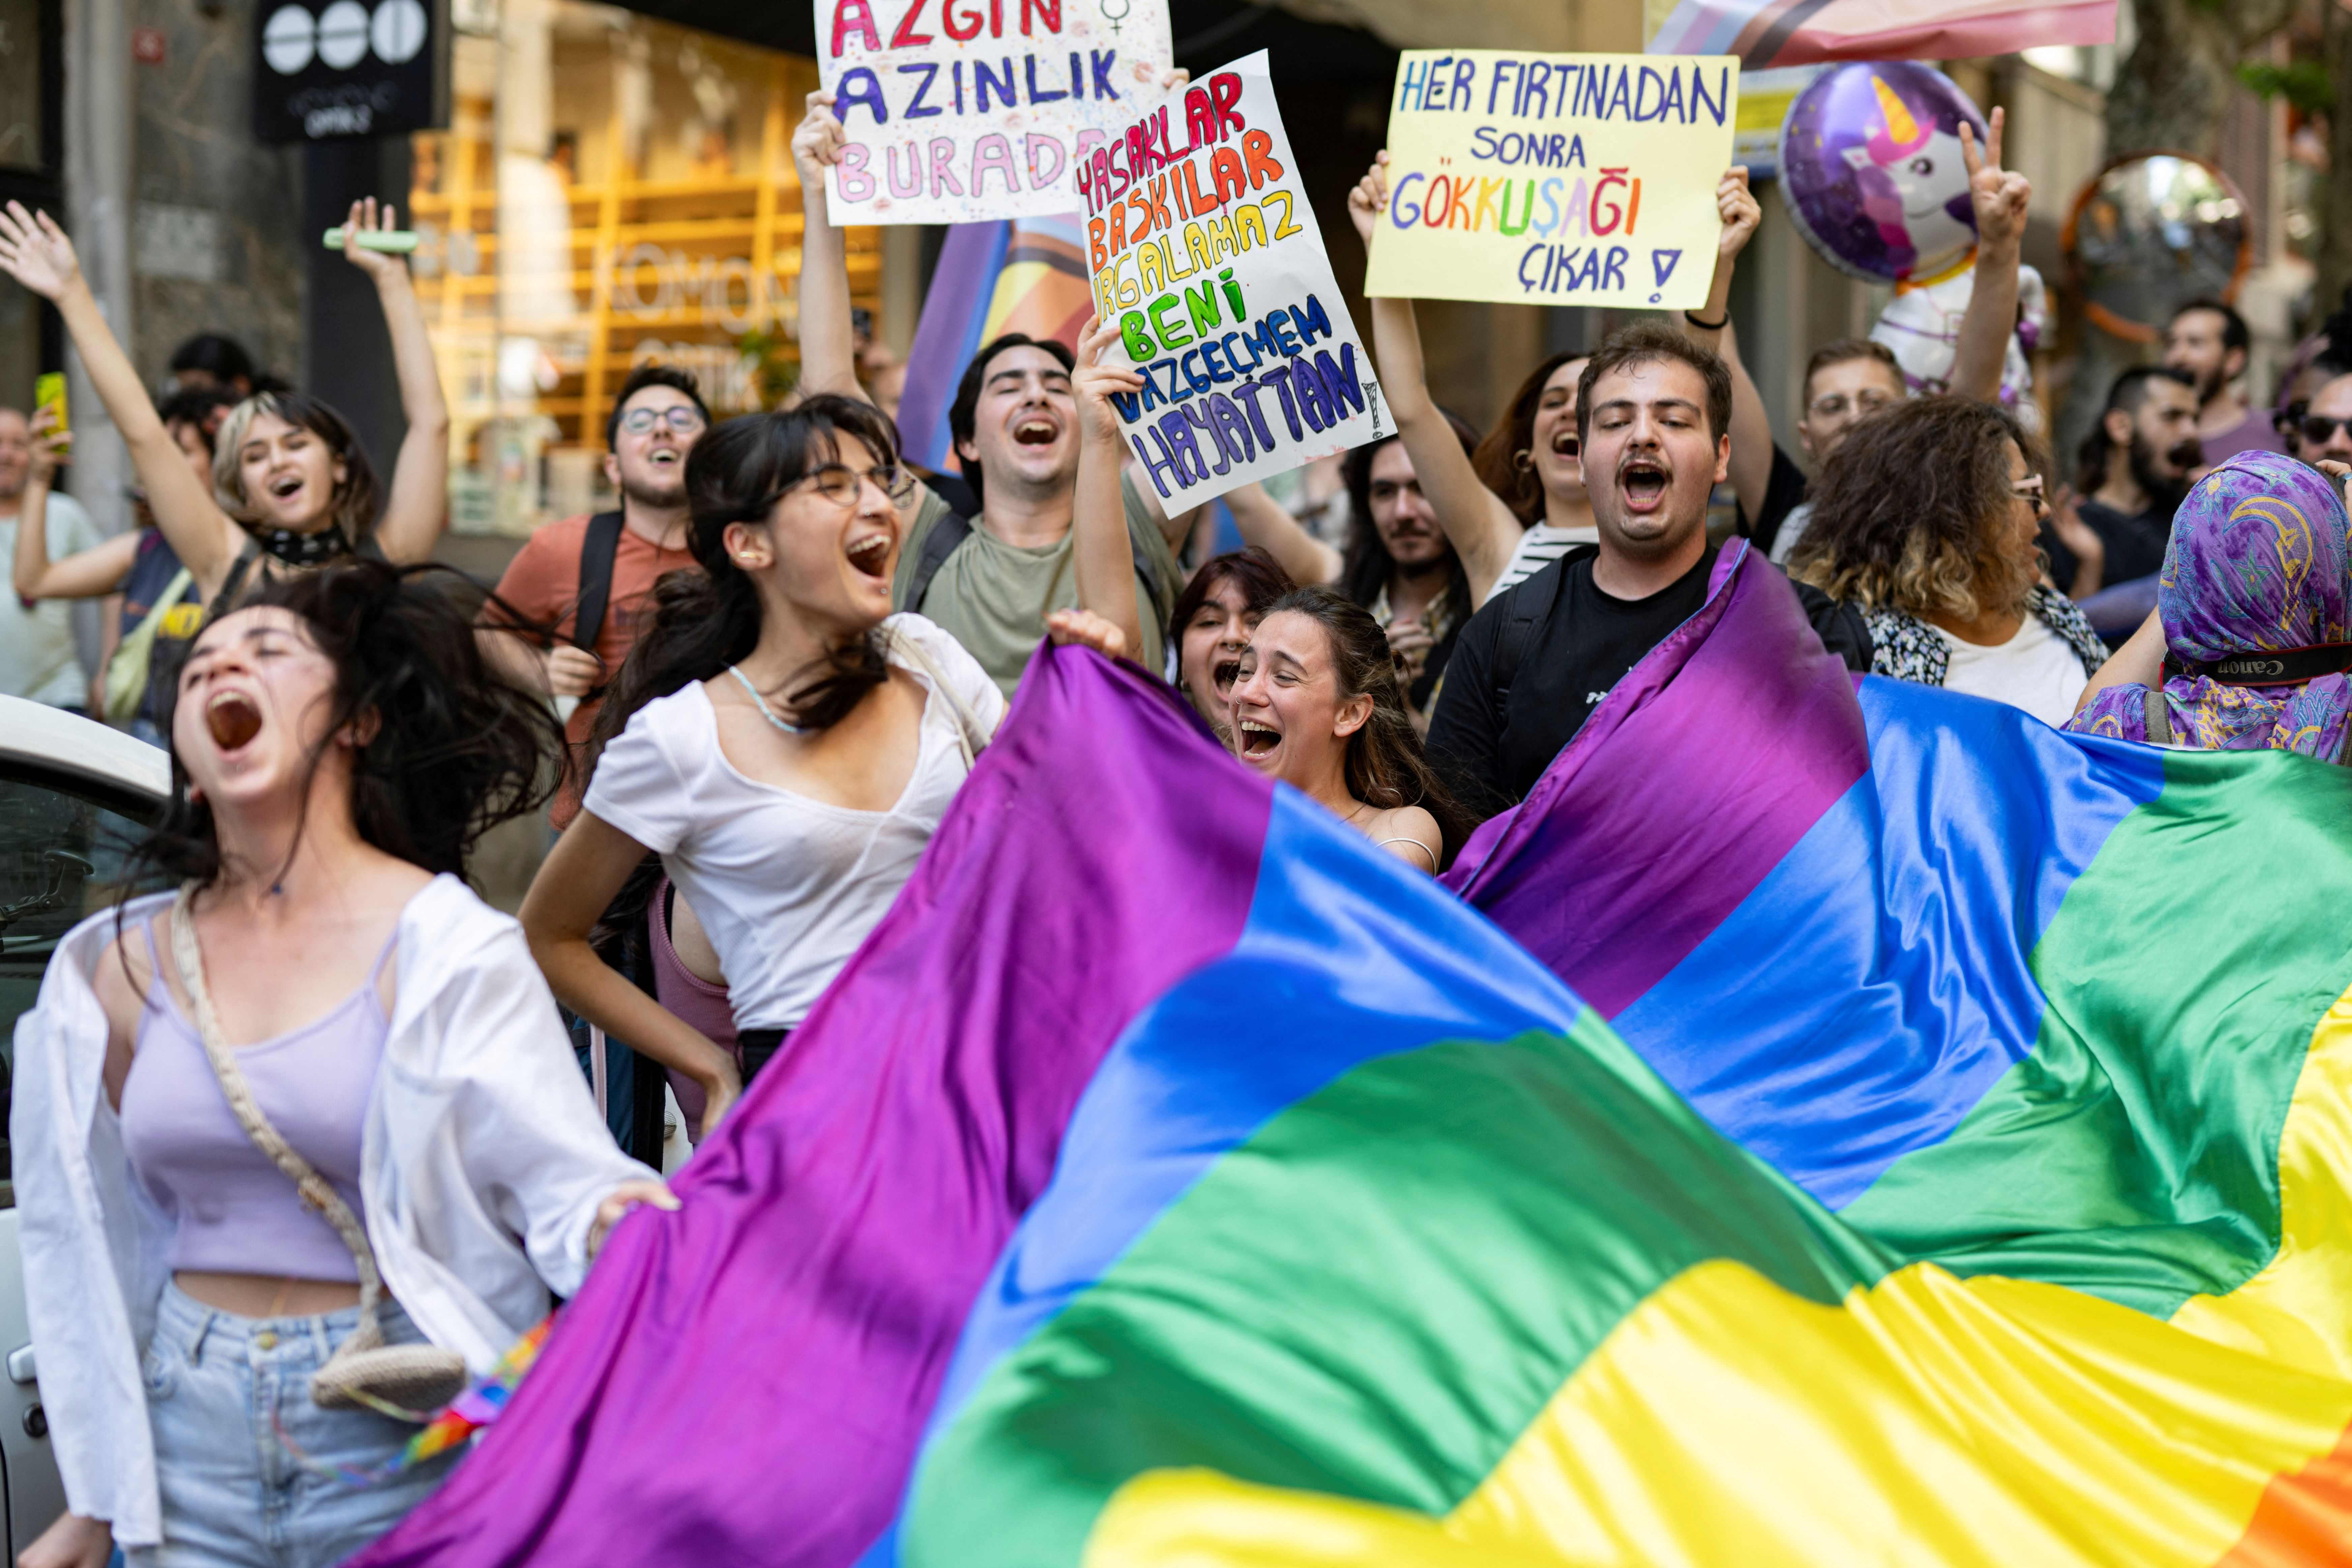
column 612, row 191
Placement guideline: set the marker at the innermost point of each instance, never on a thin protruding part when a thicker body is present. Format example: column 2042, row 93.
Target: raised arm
column 578, row 879
column 1099, row 551
column 86, row 574
column 1484, row 532
column 36, row 253
column 1267, row 523
column 1710, row 327
column 418, row 510
column 2001, row 196
column 828, row 345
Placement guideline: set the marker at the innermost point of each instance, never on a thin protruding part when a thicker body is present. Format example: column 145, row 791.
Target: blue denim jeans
column 229, row 1402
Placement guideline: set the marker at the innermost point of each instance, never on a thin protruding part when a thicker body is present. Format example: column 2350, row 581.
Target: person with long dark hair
column 291, row 486
column 1317, row 703
column 777, row 736
column 1214, row 616
column 314, row 1108
column 1511, row 504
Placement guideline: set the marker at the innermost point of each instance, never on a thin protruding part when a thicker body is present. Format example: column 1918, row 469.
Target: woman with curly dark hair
column 783, row 742
column 1316, row 704
column 307, row 1131
column 1925, row 520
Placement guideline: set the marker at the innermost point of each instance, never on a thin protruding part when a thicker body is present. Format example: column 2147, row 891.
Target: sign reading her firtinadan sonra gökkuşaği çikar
column 1208, row 258
column 1555, row 179
column 960, row 110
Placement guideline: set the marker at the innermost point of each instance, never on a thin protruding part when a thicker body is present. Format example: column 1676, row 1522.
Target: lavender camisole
column 233, row 1211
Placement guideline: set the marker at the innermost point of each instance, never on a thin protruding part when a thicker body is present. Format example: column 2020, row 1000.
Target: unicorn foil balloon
column 1872, row 171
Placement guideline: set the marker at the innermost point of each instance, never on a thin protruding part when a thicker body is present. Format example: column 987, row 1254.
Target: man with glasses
column 585, row 576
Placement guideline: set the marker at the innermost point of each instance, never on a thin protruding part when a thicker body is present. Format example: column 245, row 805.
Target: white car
column 74, row 798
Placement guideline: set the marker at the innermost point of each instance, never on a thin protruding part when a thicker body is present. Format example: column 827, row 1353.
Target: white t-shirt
column 36, row 646
column 787, row 887
column 2037, row 670
column 1537, row 548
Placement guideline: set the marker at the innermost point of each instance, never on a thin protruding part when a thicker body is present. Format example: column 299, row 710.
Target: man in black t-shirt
column 1654, row 412
column 2134, row 467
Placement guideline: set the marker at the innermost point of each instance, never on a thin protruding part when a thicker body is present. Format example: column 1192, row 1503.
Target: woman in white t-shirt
column 777, row 737
column 1926, row 518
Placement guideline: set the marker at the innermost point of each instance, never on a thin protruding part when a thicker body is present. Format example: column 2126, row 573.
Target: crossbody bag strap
column 600, row 551
column 316, row 1190
column 2158, row 714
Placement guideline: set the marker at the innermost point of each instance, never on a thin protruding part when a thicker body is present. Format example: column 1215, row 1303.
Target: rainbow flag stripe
column 1827, row 1127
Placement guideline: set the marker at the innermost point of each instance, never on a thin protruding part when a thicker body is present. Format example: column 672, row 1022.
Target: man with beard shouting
column 2207, row 341
column 1653, row 416
column 2151, row 425
column 587, row 576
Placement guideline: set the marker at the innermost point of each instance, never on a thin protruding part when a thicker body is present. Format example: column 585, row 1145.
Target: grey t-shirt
column 993, row 597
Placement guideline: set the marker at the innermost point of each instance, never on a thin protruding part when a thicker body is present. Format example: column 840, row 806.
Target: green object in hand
column 398, row 240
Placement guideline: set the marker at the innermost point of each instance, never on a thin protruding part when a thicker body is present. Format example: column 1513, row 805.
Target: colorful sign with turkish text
column 1208, row 258
column 1555, row 179
column 961, row 110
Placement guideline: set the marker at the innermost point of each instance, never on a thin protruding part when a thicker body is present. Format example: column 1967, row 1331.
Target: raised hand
column 628, row 1195
column 1370, row 199
column 1088, row 630
column 1999, row 195
column 817, row 140
column 1734, row 204
column 35, row 252
column 1093, row 382
column 52, row 448
column 380, row 265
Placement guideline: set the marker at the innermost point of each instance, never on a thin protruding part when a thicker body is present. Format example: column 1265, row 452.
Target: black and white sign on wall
column 335, row 68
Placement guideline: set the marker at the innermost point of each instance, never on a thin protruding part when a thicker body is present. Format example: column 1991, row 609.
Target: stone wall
column 215, row 231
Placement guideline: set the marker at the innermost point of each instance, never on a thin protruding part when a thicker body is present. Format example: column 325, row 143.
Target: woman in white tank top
column 337, row 748
column 777, row 737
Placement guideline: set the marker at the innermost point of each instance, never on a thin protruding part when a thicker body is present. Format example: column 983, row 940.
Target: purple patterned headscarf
column 2261, row 560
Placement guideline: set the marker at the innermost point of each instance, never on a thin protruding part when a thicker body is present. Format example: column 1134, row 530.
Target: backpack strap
column 599, row 547
column 2158, row 714
column 951, row 530
column 1530, row 605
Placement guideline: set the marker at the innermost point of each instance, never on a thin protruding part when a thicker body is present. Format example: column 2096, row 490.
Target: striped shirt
column 1538, row 547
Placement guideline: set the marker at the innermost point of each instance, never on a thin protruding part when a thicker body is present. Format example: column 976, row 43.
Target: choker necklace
column 330, row 543
column 765, row 711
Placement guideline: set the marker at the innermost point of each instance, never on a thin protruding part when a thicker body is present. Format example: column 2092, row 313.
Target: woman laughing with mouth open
column 777, row 736
column 1315, row 700
column 290, row 485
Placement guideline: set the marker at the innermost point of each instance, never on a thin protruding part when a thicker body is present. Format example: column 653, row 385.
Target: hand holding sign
column 1553, row 179
column 817, row 140
column 1370, row 198
column 1094, row 382
column 1735, row 207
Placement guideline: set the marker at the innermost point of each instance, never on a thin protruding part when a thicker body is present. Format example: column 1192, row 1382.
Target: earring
column 1523, row 460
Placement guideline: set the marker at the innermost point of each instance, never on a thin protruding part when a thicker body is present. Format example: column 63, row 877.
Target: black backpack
column 1529, row 606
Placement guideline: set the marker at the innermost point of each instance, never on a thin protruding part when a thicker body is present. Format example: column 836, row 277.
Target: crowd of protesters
column 745, row 699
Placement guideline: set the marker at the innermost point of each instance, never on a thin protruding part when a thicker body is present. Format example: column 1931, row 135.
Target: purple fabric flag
column 745, row 1380
column 1759, row 705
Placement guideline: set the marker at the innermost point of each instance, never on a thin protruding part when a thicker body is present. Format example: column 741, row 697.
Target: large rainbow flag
column 1870, row 1128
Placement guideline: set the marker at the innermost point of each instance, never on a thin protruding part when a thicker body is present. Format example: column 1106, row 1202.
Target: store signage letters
column 1208, row 258
column 1555, row 179
column 347, row 69
column 960, row 110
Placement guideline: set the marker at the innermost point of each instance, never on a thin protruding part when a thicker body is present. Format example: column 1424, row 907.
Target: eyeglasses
column 2318, row 430
column 2027, row 489
column 841, row 484
column 1832, row 404
column 682, row 418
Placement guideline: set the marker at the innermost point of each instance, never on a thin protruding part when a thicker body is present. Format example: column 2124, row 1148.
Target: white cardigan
column 482, row 1162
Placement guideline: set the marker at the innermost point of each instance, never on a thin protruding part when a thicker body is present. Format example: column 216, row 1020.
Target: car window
column 63, row 852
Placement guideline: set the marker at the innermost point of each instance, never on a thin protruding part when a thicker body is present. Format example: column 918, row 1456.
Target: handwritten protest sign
column 1207, row 256
column 958, row 111
column 1555, row 179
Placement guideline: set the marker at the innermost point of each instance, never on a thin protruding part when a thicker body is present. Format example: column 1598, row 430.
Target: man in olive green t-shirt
column 1015, row 427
